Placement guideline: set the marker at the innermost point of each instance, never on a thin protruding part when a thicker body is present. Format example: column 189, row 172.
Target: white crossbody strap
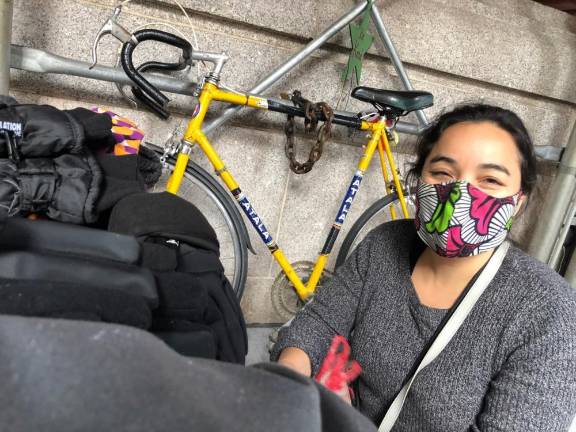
column 447, row 332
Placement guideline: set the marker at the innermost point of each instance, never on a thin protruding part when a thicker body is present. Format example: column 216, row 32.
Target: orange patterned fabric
column 126, row 133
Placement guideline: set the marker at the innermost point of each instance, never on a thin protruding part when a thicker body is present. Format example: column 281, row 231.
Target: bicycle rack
column 35, row 60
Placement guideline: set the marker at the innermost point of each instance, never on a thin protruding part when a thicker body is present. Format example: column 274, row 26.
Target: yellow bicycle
column 388, row 106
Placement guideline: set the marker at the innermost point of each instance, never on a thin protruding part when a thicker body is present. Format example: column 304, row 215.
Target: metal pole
column 40, row 61
column 291, row 63
column 556, row 253
column 5, row 38
column 570, row 276
column 556, row 204
column 379, row 24
column 35, row 60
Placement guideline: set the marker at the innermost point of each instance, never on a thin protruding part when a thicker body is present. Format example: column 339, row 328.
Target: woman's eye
column 440, row 174
column 492, row 181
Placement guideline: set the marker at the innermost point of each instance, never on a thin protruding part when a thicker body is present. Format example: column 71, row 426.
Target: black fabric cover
column 163, row 214
column 52, row 269
column 70, row 240
column 64, row 188
column 61, row 376
column 65, row 169
column 26, row 265
column 195, row 340
column 121, row 179
column 180, row 246
column 9, row 189
column 45, row 131
column 201, row 295
column 55, row 171
column 79, row 301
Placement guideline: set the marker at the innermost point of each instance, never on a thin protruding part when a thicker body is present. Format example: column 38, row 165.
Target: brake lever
column 111, row 27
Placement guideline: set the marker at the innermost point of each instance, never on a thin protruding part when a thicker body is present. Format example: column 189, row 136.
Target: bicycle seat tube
column 376, row 130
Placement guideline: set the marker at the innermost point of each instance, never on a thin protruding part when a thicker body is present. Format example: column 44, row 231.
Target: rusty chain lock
column 312, row 113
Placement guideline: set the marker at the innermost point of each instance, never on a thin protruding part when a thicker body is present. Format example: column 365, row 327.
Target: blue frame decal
column 350, row 195
column 254, row 219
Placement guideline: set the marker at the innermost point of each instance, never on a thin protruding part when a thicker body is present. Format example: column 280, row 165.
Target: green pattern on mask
column 508, row 225
column 441, row 218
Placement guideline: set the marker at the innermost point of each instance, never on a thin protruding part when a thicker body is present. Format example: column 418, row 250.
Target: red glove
column 337, row 370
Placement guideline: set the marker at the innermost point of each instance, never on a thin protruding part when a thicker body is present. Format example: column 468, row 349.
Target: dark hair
column 503, row 118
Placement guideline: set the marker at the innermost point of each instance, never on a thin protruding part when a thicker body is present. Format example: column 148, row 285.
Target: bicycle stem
column 217, row 59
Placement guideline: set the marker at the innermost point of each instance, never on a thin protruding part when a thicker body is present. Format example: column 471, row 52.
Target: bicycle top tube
column 343, row 118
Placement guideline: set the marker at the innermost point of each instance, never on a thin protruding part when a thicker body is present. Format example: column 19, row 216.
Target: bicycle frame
column 194, row 135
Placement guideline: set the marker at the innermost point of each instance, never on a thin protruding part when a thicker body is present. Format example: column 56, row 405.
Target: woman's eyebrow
column 496, row 167
column 441, row 158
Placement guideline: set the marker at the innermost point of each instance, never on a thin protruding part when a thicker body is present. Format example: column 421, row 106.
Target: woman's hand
column 338, row 371
column 299, row 361
column 296, row 359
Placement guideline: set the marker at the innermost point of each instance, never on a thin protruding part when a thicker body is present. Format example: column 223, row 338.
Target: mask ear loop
column 520, row 205
column 411, row 190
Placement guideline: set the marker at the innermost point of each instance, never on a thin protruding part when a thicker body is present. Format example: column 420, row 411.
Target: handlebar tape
column 128, row 65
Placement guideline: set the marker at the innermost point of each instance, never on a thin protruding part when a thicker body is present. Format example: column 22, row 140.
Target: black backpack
column 198, row 314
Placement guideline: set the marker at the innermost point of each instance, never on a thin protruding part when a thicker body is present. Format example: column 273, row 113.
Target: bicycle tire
column 368, row 220
column 197, row 179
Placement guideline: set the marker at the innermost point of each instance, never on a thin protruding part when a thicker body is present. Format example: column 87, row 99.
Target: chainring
column 284, row 297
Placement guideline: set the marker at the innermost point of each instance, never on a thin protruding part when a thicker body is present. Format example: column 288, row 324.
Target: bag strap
column 447, row 332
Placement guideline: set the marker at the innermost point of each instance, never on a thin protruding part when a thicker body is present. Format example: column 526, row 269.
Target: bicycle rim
column 377, row 214
column 197, row 190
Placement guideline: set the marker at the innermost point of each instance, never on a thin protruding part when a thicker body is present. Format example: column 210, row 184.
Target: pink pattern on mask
column 455, row 246
column 484, row 207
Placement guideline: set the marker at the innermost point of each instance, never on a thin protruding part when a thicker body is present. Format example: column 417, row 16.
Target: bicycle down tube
column 195, row 135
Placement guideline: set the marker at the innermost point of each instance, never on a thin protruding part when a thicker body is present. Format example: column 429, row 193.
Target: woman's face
column 481, row 153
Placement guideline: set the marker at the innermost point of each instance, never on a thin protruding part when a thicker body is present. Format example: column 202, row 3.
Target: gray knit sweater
column 510, row 367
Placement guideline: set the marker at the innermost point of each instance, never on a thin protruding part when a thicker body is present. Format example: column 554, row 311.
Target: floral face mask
column 459, row 220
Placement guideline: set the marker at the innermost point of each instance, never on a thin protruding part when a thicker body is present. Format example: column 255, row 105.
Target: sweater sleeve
column 331, row 312
column 535, row 389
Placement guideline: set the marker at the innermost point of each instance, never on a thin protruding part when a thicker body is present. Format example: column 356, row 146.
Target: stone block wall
column 517, row 54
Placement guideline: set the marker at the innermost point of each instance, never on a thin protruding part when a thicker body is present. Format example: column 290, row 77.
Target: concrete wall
column 517, row 54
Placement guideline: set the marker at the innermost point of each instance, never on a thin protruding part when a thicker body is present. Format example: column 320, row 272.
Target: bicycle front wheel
column 199, row 188
column 377, row 214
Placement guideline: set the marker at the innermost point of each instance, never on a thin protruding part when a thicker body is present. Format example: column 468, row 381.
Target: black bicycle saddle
column 396, row 102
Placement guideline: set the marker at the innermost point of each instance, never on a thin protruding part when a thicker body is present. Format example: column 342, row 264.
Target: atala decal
column 254, row 218
column 347, row 203
column 12, row 127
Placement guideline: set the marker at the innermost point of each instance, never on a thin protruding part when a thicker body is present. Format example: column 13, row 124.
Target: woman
column 512, row 364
